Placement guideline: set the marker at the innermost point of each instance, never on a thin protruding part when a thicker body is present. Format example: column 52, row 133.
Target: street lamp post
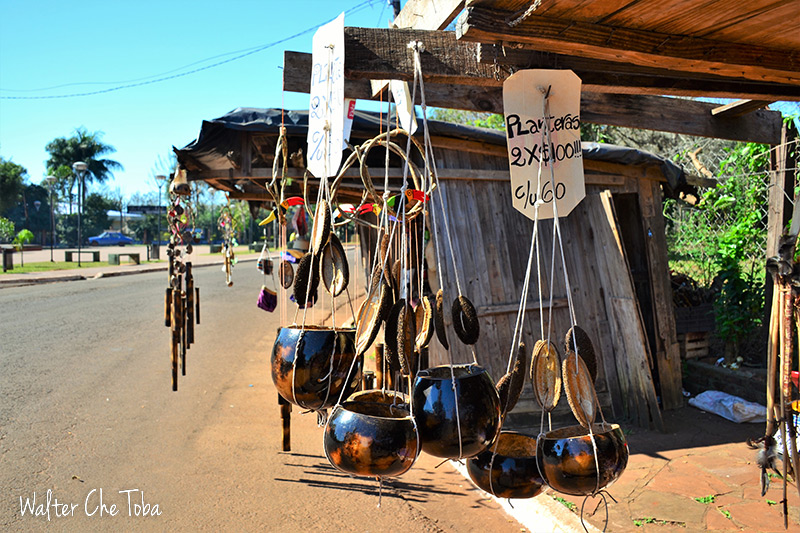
column 51, row 184
column 80, row 168
column 160, row 181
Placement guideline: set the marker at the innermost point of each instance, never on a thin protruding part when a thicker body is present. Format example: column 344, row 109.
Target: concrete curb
column 539, row 514
column 23, row 282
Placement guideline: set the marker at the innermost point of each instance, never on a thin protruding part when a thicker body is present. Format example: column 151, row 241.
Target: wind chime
column 227, row 225
column 182, row 298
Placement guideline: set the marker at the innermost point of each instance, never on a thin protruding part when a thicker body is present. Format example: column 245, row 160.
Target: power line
column 248, row 52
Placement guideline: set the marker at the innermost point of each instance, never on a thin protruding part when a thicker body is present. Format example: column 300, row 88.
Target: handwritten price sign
column 326, row 112
column 529, row 147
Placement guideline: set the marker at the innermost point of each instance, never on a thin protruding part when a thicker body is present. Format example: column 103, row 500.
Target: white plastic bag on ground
column 728, row 406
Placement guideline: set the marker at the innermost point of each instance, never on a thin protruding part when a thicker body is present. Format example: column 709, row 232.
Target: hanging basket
column 372, row 434
column 514, row 473
column 302, row 369
column 566, row 458
column 435, row 410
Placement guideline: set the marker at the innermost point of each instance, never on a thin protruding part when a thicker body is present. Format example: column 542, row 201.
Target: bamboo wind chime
column 182, row 298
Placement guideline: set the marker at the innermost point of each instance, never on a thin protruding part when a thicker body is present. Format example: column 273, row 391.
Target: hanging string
column 557, row 229
column 417, row 47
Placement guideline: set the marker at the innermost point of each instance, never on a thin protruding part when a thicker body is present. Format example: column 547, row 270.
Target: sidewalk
column 199, row 258
column 700, row 457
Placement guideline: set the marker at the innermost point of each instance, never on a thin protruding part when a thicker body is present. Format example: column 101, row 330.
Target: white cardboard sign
column 523, row 98
column 403, row 105
column 326, row 110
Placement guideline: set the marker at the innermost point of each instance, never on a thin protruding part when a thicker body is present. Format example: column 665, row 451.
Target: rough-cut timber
column 647, row 48
column 648, row 112
column 384, row 53
column 428, row 14
column 614, row 77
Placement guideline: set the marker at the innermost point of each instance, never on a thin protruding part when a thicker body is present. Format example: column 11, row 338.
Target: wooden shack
column 614, row 246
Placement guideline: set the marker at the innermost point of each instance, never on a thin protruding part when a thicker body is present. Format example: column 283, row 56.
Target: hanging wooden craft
column 182, row 298
column 227, row 225
column 267, row 298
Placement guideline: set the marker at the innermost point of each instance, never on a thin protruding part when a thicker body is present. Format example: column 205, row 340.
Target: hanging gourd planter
column 574, row 462
column 310, row 365
column 513, row 472
column 455, row 423
column 372, row 434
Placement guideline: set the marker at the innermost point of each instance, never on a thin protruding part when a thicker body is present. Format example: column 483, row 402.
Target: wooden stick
column 167, row 305
column 197, row 305
column 773, row 344
column 786, row 351
column 790, row 415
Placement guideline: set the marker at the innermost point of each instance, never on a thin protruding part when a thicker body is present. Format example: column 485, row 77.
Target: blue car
column 110, row 238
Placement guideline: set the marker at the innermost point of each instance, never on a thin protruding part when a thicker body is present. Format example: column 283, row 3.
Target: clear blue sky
column 86, row 46
column 53, row 48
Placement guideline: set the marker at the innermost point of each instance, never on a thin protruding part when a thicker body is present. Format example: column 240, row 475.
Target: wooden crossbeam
column 374, row 53
column 383, row 53
column 428, row 14
column 740, row 107
column 646, row 48
column 615, row 77
column 633, row 111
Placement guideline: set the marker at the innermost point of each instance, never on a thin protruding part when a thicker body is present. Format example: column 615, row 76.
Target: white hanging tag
column 349, row 114
column 523, row 97
column 404, row 105
column 326, row 110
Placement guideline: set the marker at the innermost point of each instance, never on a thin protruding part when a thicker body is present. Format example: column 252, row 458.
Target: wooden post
column 286, row 419
column 379, row 376
column 667, row 354
column 780, row 194
column 781, row 190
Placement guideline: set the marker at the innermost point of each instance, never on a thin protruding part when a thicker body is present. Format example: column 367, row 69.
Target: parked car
column 110, row 238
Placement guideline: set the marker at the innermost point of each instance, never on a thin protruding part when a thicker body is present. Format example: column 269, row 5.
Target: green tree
column 6, row 230
column 82, row 146
column 23, row 237
column 12, row 179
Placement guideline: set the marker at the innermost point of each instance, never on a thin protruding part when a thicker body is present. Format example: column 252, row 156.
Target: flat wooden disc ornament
column 334, row 270
column 321, row 230
column 545, row 374
column 579, row 389
column 286, row 274
column 423, row 319
column 370, row 316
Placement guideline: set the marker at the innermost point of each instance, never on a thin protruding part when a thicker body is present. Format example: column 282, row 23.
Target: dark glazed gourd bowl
column 514, row 473
column 566, row 458
column 374, row 437
column 435, row 410
column 310, row 365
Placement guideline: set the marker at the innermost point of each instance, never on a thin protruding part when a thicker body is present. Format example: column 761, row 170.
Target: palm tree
column 82, row 146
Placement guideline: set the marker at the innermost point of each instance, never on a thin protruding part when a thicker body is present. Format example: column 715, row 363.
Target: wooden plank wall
column 491, row 242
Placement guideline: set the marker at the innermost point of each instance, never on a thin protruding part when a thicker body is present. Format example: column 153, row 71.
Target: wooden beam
column 677, row 115
column 645, row 112
column 428, row 14
column 639, row 47
column 739, row 108
column 383, row 53
column 297, row 78
column 614, row 77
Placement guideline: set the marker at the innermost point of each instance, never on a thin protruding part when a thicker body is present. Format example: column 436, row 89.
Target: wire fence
column 717, row 245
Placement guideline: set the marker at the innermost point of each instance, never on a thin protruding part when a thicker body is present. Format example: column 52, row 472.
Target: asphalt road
column 87, row 406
